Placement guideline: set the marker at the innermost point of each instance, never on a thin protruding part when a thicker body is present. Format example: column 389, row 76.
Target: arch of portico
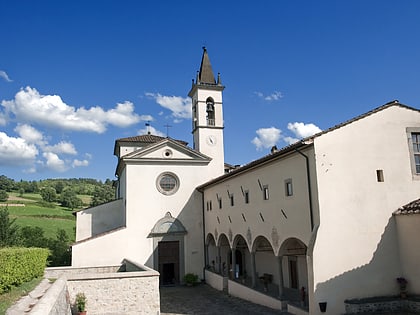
column 292, row 258
column 224, row 252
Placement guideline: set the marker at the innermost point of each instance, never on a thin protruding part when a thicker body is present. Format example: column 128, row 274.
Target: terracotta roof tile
column 410, row 208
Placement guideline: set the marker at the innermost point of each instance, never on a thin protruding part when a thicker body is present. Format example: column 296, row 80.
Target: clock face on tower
column 211, row 140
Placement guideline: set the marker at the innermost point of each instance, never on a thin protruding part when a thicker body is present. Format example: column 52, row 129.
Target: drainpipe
column 308, row 175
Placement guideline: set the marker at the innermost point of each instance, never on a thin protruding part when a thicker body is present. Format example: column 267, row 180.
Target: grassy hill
column 31, row 210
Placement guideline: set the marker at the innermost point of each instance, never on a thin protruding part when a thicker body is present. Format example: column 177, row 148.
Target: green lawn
column 49, row 218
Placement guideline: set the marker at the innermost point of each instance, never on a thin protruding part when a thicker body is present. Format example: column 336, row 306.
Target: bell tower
column 207, row 114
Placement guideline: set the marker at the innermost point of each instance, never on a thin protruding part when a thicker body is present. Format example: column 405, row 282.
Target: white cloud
column 152, row 130
column 179, row 106
column 54, row 162
column 266, row 137
column 290, row 140
column 5, row 77
column 62, row 147
column 29, row 134
column 3, row 119
column 50, row 110
column 77, row 163
column 16, row 151
column 275, row 96
column 302, row 130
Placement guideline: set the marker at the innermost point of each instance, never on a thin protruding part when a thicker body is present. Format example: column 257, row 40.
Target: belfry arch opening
column 210, row 112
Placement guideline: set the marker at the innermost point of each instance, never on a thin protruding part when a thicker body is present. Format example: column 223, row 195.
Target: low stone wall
column 245, row 293
column 216, row 281
column 126, row 289
column 55, row 301
column 383, row 304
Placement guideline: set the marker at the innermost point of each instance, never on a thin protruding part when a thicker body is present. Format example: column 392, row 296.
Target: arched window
column 210, row 111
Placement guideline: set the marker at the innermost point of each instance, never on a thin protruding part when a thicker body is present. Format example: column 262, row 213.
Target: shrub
column 190, row 278
column 3, row 195
column 81, row 302
column 19, row 265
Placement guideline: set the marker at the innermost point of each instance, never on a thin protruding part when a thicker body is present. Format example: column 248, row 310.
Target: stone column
column 233, row 267
column 253, row 270
column 281, row 281
column 219, row 257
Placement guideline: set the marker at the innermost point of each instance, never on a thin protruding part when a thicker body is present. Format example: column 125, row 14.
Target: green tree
column 102, row 194
column 6, row 183
column 49, row 194
column 69, row 199
column 33, row 236
column 9, row 230
column 59, row 186
column 3, row 195
column 60, row 249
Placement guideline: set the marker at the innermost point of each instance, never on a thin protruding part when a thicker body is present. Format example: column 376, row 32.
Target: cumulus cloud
column 302, row 130
column 29, row 134
column 54, row 162
column 16, row 151
column 179, row 106
column 4, row 76
column 3, row 119
column 62, row 147
column 50, row 110
column 266, row 137
column 152, row 130
column 275, row 96
column 77, row 163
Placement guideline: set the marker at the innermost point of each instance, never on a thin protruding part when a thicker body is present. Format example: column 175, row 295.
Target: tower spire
column 206, row 72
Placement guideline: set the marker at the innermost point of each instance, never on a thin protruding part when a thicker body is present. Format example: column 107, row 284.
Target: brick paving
column 204, row 300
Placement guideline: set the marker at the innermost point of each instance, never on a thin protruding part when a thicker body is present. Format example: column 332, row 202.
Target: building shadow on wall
column 376, row 278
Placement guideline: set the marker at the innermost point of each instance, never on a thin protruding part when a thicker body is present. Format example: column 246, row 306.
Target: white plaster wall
column 146, row 205
column 356, row 253
column 409, row 246
column 296, row 207
column 99, row 219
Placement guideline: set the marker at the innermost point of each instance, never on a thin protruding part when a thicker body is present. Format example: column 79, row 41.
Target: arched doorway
column 168, row 249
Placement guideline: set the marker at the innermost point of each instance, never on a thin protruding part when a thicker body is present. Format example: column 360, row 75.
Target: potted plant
column 402, row 282
column 190, row 279
column 81, row 303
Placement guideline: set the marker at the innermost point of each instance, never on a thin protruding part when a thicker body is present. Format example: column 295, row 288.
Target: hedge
column 19, row 265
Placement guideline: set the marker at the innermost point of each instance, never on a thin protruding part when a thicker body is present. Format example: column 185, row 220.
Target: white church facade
column 331, row 218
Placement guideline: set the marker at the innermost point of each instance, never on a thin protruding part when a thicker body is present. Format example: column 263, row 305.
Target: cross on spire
column 167, row 130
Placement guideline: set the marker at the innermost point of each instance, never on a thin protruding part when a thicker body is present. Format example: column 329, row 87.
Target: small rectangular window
column 232, row 201
column 415, row 137
column 380, row 176
column 288, row 187
column 246, row 196
column 220, row 203
column 265, row 192
column 210, row 205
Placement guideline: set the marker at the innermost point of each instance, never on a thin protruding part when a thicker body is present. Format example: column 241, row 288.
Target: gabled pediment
column 166, row 150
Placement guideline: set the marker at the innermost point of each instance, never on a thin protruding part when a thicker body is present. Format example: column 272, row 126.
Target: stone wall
column 126, row 289
column 55, row 301
column 383, row 304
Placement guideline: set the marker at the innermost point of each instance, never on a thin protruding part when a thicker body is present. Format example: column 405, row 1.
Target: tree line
column 64, row 191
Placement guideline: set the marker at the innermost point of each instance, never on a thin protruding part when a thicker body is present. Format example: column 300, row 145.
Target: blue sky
column 77, row 75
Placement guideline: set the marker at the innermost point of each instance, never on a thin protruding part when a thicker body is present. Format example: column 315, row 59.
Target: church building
column 308, row 228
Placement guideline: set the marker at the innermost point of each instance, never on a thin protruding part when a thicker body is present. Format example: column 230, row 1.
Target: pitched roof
column 299, row 145
column 144, row 139
column 410, row 208
column 206, row 72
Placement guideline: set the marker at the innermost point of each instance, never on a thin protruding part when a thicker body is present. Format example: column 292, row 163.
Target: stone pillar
column 281, row 281
column 233, row 267
column 253, row 270
column 219, row 257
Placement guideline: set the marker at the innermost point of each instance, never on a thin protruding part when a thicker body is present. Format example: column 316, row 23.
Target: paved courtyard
column 203, row 299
